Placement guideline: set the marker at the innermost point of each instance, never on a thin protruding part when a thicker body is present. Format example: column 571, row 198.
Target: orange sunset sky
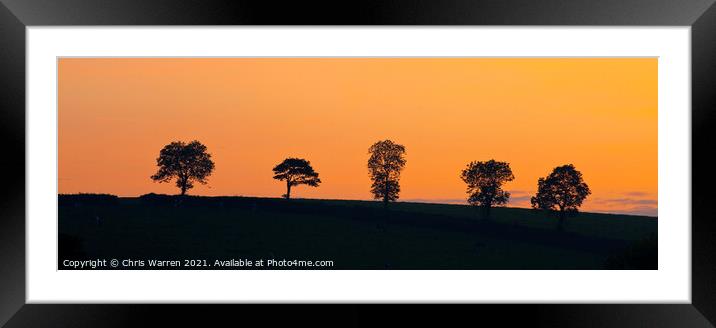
column 599, row 114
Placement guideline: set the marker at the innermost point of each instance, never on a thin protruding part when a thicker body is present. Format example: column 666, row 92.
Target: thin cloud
column 520, row 199
column 638, row 210
column 436, row 200
column 638, row 194
column 627, row 201
column 621, row 204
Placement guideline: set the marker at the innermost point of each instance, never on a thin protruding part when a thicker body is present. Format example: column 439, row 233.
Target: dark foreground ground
column 351, row 234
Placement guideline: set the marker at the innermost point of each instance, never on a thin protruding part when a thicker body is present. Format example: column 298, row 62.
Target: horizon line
column 407, row 201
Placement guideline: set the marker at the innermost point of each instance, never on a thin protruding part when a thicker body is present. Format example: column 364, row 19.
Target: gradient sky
column 599, row 114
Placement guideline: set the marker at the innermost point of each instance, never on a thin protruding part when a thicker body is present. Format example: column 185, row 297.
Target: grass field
column 352, row 234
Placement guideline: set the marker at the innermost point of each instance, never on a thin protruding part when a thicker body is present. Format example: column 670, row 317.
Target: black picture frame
column 16, row 15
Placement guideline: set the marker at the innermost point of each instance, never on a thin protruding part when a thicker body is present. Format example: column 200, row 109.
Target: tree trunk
column 560, row 224
column 288, row 189
column 184, row 180
column 486, row 211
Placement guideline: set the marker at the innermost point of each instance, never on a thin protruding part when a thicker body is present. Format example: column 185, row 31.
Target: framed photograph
column 547, row 158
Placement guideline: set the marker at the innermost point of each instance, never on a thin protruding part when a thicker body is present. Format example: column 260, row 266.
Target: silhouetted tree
column 563, row 190
column 386, row 161
column 484, row 183
column 188, row 163
column 296, row 171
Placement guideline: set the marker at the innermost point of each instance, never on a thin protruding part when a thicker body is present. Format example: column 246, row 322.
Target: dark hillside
column 352, row 234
